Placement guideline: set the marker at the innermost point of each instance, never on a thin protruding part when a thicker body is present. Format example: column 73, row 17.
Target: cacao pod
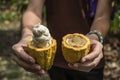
column 43, row 56
column 74, row 47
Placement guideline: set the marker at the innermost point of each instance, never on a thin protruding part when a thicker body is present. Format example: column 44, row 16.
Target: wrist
column 92, row 36
column 26, row 32
column 96, row 35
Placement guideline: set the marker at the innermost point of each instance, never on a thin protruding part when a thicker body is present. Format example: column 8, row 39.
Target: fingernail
column 75, row 65
column 41, row 72
column 69, row 65
column 38, row 67
column 32, row 61
column 83, row 60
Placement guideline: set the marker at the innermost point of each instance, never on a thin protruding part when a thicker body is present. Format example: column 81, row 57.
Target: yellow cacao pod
column 43, row 56
column 74, row 47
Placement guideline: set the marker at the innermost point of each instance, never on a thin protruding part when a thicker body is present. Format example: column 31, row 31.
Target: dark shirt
column 64, row 17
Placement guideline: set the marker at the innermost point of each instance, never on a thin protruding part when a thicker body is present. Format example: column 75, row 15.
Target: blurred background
column 10, row 16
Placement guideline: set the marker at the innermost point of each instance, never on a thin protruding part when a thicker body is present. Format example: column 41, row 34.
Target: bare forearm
column 31, row 16
column 101, row 22
column 28, row 21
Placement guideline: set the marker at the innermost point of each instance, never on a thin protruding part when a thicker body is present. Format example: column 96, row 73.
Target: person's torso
column 64, row 17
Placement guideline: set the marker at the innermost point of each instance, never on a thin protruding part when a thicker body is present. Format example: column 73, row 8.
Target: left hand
column 90, row 61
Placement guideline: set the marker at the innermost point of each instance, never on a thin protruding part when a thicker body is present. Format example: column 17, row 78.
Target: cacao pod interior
column 75, row 46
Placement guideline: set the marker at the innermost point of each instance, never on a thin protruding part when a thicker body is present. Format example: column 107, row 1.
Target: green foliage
column 12, row 9
column 10, row 16
column 115, row 23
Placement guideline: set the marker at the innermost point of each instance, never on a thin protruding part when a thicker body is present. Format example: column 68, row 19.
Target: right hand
column 23, row 59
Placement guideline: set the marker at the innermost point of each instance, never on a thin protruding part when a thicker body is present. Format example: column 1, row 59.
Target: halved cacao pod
column 75, row 46
column 44, row 56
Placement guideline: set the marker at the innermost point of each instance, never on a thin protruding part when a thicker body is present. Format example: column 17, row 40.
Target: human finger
column 40, row 72
column 87, row 66
column 96, row 61
column 79, row 67
column 91, row 64
column 96, row 50
column 20, row 52
column 28, row 67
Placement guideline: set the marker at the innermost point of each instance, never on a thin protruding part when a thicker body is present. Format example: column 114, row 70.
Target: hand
column 91, row 60
column 22, row 58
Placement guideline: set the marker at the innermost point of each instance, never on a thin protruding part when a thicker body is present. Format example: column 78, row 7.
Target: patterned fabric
column 93, row 4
